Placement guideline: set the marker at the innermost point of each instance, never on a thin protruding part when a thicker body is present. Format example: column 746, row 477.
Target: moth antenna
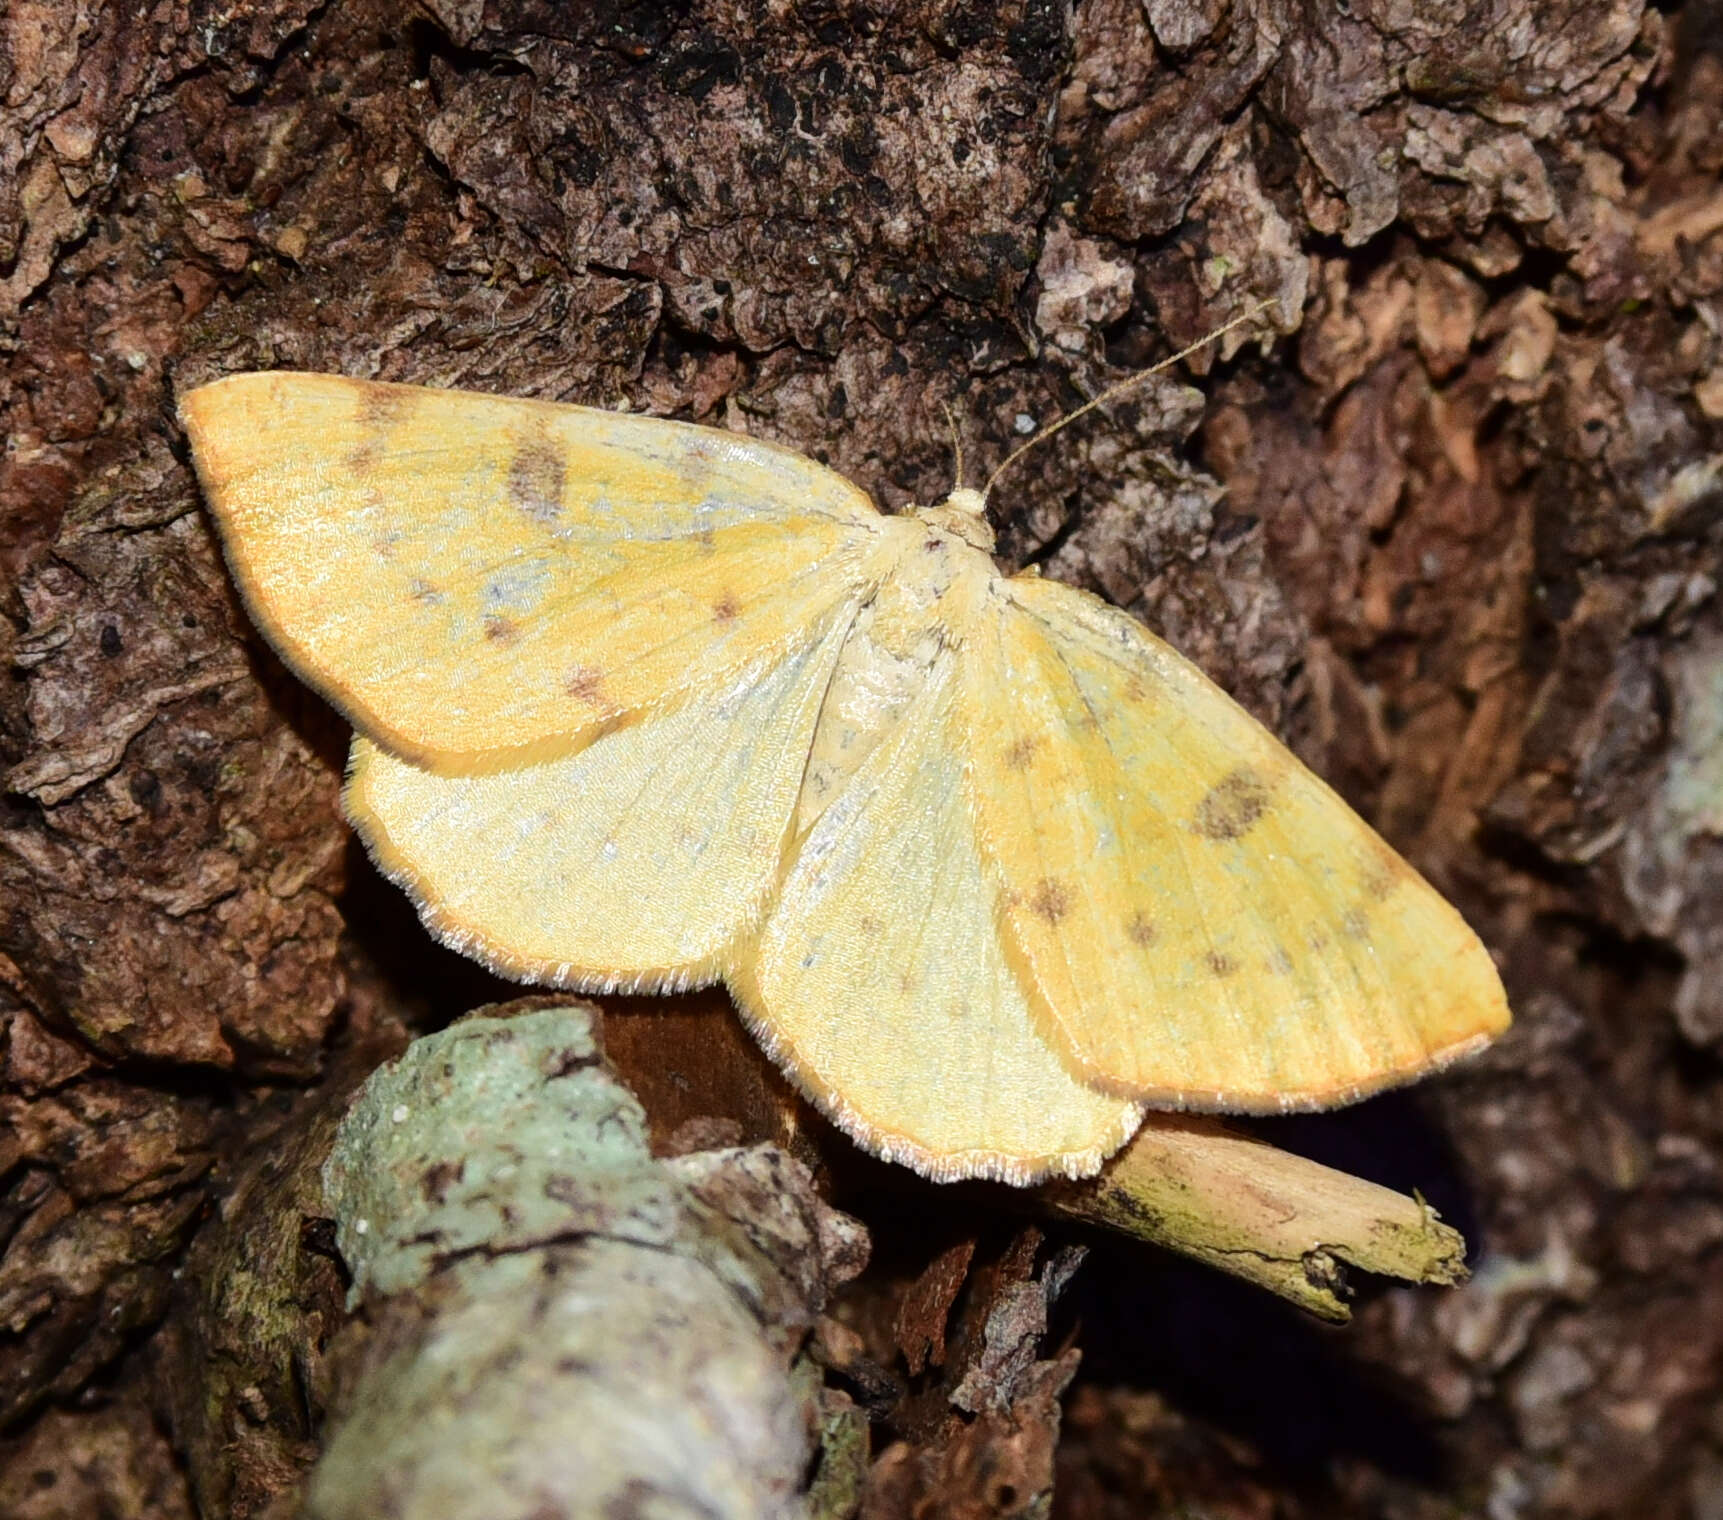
column 1114, row 391
column 956, row 445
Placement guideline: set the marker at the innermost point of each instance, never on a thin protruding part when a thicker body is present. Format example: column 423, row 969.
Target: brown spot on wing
column 382, row 407
column 1141, row 930
column 1232, row 807
column 422, row 590
column 1383, row 872
column 585, row 683
column 537, row 477
column 499, row 630
column 1355, row 924
column 1051, row 900
column 727, row 608
column 1021, row 752
column 1219, row 964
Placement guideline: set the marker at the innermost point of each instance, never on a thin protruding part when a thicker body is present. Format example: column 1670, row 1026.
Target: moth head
column 963, row 514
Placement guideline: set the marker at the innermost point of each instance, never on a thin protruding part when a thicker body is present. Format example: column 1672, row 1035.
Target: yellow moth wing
column 1198, row 919
column 634, row 863
column 478, row 580
column 879, row 982
column 642, row 704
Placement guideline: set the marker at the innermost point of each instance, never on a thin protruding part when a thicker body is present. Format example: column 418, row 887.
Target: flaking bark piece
column 1275, row 1219
column 977, row 1440
column 563, row 1325
column 926, row 1307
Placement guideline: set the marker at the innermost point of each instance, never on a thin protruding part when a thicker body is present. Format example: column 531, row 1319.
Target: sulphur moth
column 988, row 867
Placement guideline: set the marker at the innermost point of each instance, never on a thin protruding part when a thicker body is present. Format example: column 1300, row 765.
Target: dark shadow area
column 1225, row 1352
column 384, row 928
column 1235, row 1356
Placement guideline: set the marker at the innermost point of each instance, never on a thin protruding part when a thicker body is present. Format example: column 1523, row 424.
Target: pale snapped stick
column 1278, row 1220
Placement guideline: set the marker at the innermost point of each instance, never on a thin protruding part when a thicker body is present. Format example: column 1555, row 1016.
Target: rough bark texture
column 1456, row 537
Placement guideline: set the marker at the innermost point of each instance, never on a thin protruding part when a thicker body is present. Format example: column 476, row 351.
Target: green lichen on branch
column 556, row 1315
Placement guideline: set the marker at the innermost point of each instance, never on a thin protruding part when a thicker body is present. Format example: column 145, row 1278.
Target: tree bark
column 1455, row 537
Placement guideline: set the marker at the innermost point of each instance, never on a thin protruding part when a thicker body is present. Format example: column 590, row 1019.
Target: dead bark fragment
column 978, row 1431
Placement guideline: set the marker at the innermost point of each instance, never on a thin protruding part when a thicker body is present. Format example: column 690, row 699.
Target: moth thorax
column 963, row 514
